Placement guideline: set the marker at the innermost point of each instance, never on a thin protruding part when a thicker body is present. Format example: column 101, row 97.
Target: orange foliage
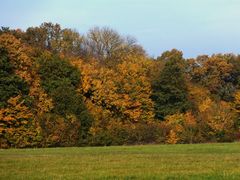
column 24, row 67
column 17, row 128
column 124, row 92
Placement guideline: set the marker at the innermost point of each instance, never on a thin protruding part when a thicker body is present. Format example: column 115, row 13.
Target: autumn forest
column 60, row 88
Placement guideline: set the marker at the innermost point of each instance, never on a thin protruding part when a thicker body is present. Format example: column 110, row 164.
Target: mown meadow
column 181, row 161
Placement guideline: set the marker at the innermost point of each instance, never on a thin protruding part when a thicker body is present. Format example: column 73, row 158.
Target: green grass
column 199, row 161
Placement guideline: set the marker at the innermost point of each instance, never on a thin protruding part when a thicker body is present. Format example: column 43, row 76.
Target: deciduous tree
column 170, row 90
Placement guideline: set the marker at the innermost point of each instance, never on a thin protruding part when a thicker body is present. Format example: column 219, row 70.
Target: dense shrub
column 118, row 133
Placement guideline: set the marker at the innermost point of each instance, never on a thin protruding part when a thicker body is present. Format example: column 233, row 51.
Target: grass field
column 200, row 161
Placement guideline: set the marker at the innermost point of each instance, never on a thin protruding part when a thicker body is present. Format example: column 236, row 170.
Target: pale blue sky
column 193, row 26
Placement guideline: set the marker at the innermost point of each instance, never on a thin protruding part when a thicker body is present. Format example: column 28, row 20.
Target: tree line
column 62, row 88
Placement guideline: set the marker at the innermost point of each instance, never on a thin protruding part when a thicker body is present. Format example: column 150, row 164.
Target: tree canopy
column 62, row 88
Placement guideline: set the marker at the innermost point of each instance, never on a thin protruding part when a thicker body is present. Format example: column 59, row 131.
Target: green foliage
column 56, row 73
column 61, row 80
column 170, row 90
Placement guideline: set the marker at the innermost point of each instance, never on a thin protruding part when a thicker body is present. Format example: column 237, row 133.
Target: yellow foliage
column 172, row 137
column 175, row 122
column 199, row 96
column 124, row 91
column 18, row 55
column 182, row 128
column 205, row 105
column 237, row 102
column 17, row 126
column 218, row 116
column 222, row 118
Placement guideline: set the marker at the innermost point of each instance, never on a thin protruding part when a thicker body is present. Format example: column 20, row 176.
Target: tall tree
column 108, row 46
column 169, row 90
column 47, row 36
column 215, row 73
column 60, row 80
